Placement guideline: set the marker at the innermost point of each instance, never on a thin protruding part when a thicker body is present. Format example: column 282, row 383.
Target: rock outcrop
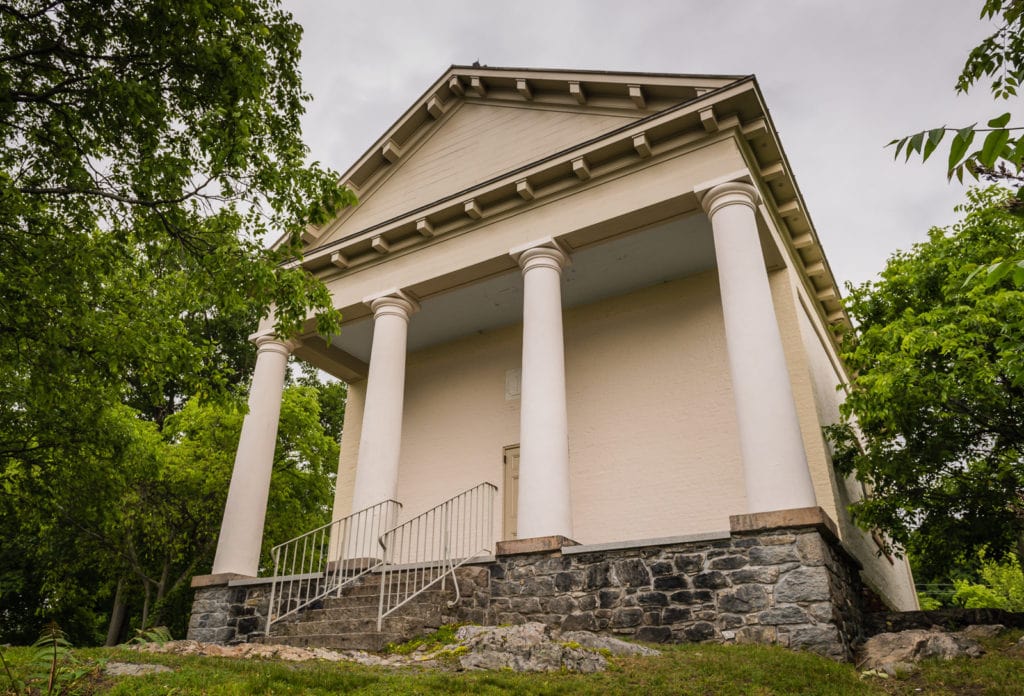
column 529, row 647
column 892, row 653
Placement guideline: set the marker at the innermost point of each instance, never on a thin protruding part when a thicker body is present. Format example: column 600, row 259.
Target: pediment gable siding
column 475, row 142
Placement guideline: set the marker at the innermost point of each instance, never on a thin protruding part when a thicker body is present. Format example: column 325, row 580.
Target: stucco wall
column 891, row 579
column 652, row 433
column 787, row 313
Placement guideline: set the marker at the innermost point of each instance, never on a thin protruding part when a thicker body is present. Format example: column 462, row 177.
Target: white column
column 380, row 441
column 545, row 506
column 774, row 461
column 241, row 531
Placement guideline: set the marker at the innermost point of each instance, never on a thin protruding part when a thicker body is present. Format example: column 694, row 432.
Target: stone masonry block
column 631, row 572
column 689, row 563
column 579, row 622
column 622, row 618
column 773, row 555
column 671, row 582
column 812, row 550
column 766, row 575
column 710, row 580
column 803, row 585
column 743, row 599
column 728, row 562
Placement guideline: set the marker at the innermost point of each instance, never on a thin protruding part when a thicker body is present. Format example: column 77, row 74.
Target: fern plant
column 54, row 664
column 157, row 634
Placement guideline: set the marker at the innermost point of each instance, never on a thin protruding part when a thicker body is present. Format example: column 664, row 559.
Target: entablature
column 718, row 108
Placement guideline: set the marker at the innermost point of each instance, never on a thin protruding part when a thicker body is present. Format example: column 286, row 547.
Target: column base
column 783, row 519
column 215, row 579
column 542, row 544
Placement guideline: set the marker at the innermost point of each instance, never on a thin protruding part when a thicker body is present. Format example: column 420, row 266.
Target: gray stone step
column 369, row 641
column 337, row 611
column 349, row 622
column 359, row 599
column 403, row 625
column 370, row 584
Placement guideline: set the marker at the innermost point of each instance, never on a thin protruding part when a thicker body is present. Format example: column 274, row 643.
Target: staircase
column 359, row 585
column 349, row 622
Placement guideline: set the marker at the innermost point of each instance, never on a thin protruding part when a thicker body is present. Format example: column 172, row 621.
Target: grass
column 680, row 669
column 445, row 635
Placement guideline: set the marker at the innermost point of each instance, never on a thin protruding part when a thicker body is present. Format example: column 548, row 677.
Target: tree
column 148, row 150
column 938, row 394
column 999, row 57
column 129, row 529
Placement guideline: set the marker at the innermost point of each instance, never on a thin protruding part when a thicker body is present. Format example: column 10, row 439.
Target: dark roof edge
column 617, row 73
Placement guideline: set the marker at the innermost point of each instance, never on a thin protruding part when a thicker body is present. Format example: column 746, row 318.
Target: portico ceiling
column 670, row 250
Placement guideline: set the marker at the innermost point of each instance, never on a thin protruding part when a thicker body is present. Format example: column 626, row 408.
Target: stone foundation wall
column 224, row 614
column 794, row 587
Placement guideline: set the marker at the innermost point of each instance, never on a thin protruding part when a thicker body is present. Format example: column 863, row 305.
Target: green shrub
column 1002, row 587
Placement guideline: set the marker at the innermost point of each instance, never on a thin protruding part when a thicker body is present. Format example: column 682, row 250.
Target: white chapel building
column 601, row 292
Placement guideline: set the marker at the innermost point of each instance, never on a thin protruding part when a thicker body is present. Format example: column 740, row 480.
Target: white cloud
column 841, row 79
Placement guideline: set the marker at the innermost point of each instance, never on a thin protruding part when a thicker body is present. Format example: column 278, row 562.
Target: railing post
column 276, row 553
column 309, row 567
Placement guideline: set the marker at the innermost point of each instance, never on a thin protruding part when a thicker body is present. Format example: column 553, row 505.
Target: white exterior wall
column 784, row 298
column 650, row 414
column 892, row 580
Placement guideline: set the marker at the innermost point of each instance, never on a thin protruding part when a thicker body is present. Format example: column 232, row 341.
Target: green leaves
column 999, row 145
column 999, row 56
column 1000, row 121
column 938, row 398
column 934, row 138
column 958, row 149
column 993, row 149
column 150, row 148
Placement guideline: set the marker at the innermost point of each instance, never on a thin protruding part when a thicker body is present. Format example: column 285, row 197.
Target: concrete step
column 369, row 641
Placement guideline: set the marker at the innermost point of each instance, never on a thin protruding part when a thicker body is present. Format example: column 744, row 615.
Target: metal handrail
column 327, row 559
column 429, row 547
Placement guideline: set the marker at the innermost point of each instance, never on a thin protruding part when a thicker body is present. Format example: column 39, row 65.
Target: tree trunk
column 145, row 607
column 161, row 592
column 116, row 615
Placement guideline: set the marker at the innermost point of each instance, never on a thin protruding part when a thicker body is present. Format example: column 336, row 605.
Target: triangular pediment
column 478, row 142
column 475, row 124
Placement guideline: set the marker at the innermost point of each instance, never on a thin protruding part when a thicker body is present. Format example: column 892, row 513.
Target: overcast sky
column 841, row 79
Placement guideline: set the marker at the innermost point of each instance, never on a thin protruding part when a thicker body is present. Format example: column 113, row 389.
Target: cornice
column 735, row 110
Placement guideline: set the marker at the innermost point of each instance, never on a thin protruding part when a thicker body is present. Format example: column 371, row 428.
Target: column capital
column 269, row 343
column 730, row 193
column 544, row 253
column 394, row 303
